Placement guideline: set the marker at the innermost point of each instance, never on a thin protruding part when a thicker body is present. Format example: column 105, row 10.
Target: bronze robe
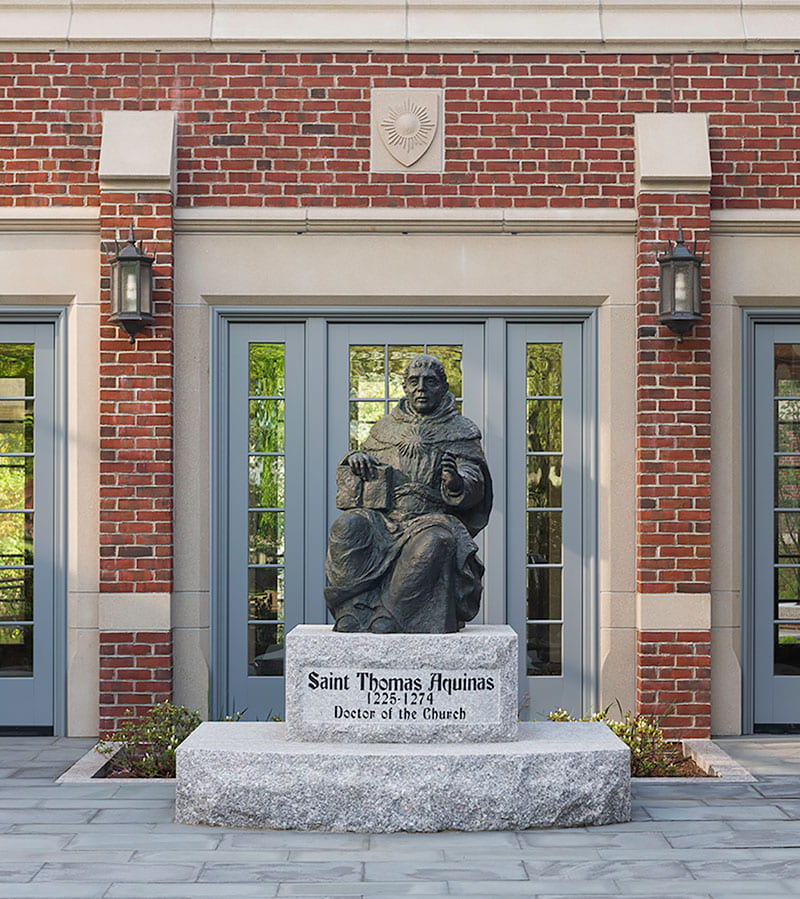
column 413, row 567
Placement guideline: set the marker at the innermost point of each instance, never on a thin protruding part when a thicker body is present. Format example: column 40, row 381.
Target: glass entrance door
column 776, row 550
column 301, row 395
column 26, row 526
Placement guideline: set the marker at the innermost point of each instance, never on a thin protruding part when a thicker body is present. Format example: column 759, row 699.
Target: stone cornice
column 656, row 26
column 84, row 219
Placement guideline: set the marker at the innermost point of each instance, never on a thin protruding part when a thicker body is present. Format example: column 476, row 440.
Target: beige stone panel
column 617, row 448
column 617, row 668
column 191, row 668
column 726, row 474
column 83, row 610
column 137, row 150
column 673, row 611
column 511, row 20
column 753, row 269
column 321, row 21
column 134, row 612
column 190, row 610
column 671, row 20
column 83, row 682
column 726, row 681
column 153, row 21
column 521, row 269
column 83, row 448
column 658, row 165
column 726, row 608
column 36, row 20
column 399, row 141
column 71, row 272
column 766, row 20
column 617, row 610
column 192, row 440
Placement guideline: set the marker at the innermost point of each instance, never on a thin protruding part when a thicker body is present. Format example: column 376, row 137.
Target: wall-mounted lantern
column 131, row 287
column 679, row 278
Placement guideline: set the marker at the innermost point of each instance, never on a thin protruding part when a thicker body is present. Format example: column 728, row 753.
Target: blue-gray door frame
column 47, row 326
column 755, row 483
column 316, row 320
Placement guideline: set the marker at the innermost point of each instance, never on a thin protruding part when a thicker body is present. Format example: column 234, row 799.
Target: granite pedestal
column 242, row 774
column 401, row 688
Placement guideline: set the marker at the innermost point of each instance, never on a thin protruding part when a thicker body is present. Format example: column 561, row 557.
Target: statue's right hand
column 363, row 465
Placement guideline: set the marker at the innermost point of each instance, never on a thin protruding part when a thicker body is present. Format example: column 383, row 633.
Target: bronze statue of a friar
column 401, row 558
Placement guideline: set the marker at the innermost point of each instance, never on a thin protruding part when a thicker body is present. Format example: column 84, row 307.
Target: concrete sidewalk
column 704, row 838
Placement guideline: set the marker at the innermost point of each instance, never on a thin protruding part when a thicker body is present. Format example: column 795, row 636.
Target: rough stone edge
column 91, row 767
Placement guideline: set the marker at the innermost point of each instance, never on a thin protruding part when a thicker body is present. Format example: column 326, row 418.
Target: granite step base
column 242, row 774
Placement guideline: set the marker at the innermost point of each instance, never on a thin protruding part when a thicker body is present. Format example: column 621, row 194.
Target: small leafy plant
column 651, row 755
column 145, row 747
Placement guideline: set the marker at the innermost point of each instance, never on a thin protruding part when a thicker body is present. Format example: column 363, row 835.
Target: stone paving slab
column 710, row 839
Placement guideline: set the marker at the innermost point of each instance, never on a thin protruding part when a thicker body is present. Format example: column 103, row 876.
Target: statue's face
column 424, row 389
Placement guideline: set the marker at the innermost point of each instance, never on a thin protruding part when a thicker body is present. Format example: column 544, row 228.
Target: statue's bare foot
column 384, row 625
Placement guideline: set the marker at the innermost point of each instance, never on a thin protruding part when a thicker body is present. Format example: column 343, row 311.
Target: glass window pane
column 265, row 650
column 787, row 537
column 787, row 369
column 788, row 426
column 362, row 417
column 544, row 650
column 16, row 364
column 544, row 594
column 544, row 537
column 367, row 372
column 266, row 426
column 787, row 482
column 399, row 357
column 266, row 545
column 451, row 357
column 16, row 426
column 787, row 586
column 266, row 594
column 789, row 610
column 787, row 649
column 544, row 369
column 267, row 369
column 544, row 481
column 544, row 426
column 16, row 482
column 16, row 538
column 267, row 482
column 16, row 651
column 16, row 594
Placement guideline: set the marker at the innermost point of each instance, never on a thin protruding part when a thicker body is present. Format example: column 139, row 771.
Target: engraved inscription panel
column 413, row 695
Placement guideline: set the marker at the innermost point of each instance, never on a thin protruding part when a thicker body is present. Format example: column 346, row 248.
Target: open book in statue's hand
column 354, row 493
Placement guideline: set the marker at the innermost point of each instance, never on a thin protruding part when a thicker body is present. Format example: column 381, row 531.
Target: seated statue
column 401, row 558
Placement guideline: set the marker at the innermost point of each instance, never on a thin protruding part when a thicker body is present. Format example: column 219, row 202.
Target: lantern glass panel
column 666, row 290
column 145, row 282
column 684, row 284
column 129, row 286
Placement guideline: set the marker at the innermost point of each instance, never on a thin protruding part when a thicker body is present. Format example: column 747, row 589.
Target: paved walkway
column 687, row 839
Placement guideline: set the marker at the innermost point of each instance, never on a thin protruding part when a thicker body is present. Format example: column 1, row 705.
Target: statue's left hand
column 451, row 479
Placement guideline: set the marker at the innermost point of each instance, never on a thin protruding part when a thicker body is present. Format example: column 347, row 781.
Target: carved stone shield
column 409, row 127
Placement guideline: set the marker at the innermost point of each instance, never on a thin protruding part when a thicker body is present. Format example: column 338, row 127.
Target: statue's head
column 425, row 383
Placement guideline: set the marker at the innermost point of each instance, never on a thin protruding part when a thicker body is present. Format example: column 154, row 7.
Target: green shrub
column 650, row 753
column 145, row 747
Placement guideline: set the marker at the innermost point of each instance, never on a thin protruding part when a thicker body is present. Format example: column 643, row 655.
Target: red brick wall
column 673, row 464
column 135, row 674
column 293, row 129
column 674, row 680
column 136, row 460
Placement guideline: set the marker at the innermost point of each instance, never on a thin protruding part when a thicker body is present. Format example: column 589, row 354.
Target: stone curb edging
column 90, row 768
